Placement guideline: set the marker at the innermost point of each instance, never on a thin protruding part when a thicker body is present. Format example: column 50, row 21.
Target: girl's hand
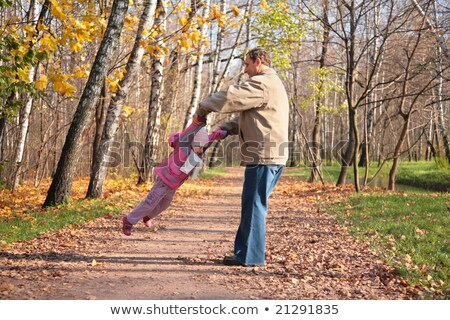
column 222, row 134
column 198, row 120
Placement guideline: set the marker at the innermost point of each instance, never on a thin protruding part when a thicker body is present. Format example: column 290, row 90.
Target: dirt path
column 308, row 255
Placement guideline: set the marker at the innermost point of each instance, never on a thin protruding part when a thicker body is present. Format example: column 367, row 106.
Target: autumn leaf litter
column 309, row 256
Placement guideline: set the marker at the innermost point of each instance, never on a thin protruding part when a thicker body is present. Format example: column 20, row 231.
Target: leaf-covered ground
column 309, row 256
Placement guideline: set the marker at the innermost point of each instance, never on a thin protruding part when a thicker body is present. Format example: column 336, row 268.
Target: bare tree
column 315, row 143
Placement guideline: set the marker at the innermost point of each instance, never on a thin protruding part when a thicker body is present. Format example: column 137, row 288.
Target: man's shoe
column 147, row 221
column 232, row 261
column 126, row 226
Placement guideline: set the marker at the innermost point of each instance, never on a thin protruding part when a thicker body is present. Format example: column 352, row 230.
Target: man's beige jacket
column 263, row 120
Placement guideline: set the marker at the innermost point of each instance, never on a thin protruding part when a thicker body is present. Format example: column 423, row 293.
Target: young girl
column 185, row 161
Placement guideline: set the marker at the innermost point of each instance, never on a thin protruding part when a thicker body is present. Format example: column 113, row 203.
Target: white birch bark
column 198, row 69
column 155, row 106
column 24, row 116
column 100, row 167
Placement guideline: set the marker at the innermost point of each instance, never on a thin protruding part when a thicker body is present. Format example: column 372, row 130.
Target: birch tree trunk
column 100, row 118
column 315, row 144
column 440, row 105
column 198, row 69
column 294, row 136
column 154, row 110
column 2, row 135
column 100, row 167
column 24, row 116
column 59, row 191
column 216, row 61
column 432, row 28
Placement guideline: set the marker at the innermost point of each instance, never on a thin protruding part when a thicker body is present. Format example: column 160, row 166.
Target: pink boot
column 126, row 226
column 148, row 222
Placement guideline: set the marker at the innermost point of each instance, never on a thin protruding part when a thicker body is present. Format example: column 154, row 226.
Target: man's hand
column 198, row 120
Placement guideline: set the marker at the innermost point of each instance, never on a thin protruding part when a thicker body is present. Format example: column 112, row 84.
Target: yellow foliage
column 179, row 6
column 76, row 46
column 222, row 21
column 57, row 10
column 184, row 43
column 119, row 74
column 235, row 11
column 66, row 35
column 196, row 35
column 23, row 74
column 283, row 6
column 81, row 30
column 183, row 21
column 127, row 111
column 113, row 84
column 145, row 33
column 80, row 73
column 215, row 13
column 41, row 27
column 131, row 22
column 61, row 85
column 264, row 5
column 21, row 50
column 30, row 31
column 157, row 50
column 64, row 88
column 185, row 24
column 41, row 83
column 47, row 43
column 201, row 20
column 220, row 16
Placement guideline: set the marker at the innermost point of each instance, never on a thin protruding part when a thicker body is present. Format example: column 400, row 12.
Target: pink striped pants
column 158, row 199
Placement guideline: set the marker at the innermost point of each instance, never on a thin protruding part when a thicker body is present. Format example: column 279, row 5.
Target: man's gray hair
column 261, row 54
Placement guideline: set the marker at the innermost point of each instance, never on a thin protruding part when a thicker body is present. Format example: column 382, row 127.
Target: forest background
column 367, row 82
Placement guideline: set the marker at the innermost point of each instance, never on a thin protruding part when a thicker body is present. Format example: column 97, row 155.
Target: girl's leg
column 157, row 194
column 162, row 205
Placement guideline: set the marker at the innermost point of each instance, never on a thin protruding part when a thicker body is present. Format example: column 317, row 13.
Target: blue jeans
column 250, row 243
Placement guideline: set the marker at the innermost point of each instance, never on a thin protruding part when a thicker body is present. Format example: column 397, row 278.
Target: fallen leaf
column 6, row 286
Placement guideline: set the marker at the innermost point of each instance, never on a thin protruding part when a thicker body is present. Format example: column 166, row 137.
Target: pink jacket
column 169, row 170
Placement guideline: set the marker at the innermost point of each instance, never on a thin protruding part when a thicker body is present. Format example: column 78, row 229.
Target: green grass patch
column 19, row 228
column 423, row 175
column 412, row 231
column 213, row 173
column 329, row 173
column 426, row 174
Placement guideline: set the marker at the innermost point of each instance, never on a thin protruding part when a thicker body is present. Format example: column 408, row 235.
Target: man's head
column 256, row 60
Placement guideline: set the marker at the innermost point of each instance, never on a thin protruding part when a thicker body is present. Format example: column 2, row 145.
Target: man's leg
column 250, row 240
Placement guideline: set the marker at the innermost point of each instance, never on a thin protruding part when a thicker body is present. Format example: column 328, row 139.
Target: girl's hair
column 261, row 54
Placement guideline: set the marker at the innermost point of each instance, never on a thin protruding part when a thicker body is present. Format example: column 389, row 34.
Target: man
column 262, row 126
